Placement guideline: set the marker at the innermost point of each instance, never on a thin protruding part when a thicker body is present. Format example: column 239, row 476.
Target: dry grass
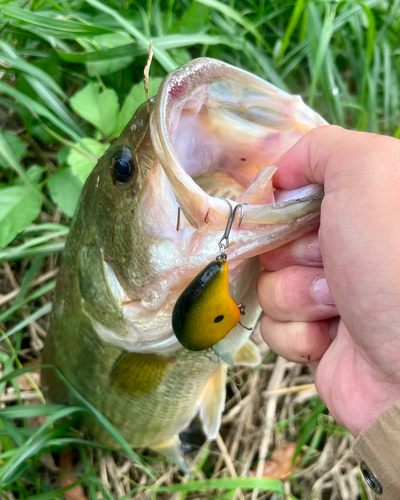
column 266, row 409
column 342, row 57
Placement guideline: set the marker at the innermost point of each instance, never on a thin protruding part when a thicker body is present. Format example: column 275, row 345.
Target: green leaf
column 136, row 49
column 26, row 369
column 322, row 50
column 16, row 145
column 34, row 174
column 134, row 99
column 107, row 42
column 309, row 426
column 233, row 14
column 39, row 109
column 12, row 469
column 246, row 483
column 50, row 64
column 53, row 21
column 160, row 55
column 19, row 206
column 107, row 425
column 62, row 155
column 14, row 253
column 81, row 165
column 98, row 108
column 65, row 189
column 294, row 20
column 194, row 18
column 10, row 57
column 12, row 160
column 29, row 411
column 39, row 313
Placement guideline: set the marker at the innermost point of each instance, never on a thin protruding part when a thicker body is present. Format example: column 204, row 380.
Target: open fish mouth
column 215, row 132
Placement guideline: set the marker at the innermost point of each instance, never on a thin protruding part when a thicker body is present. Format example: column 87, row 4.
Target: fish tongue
column 260, row 191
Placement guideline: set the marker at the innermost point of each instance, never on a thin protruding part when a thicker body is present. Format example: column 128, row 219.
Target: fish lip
column 179, row 85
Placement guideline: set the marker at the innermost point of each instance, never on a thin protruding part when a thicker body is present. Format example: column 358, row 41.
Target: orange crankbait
column 205, row 312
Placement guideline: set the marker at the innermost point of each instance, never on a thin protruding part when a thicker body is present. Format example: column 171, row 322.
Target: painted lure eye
column 123, row 165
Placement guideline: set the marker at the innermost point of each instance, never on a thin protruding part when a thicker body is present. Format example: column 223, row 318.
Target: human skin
column 357, row 251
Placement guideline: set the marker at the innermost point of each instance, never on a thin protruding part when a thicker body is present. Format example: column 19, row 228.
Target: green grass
column 71, row 79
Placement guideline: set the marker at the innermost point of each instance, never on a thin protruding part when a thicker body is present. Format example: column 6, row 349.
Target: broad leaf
column 62, row 155
column 34, row 174
column 135, row 98
column 65, row 189
column 19, row 206
column 98, row 108
column 81, row 164
column 194, row 18
column 16, row 145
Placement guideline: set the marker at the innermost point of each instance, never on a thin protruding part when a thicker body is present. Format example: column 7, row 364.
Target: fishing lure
column 205, row 312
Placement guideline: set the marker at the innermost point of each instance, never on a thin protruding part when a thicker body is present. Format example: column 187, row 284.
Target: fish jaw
column 211, row 115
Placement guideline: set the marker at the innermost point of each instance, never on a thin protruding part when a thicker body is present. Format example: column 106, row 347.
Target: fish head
column 213, row 132
column 110, row 201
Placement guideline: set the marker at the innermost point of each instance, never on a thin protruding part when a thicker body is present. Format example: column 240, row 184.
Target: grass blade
column 13, row 253
column 52, row 22
column 35, row 295
column 231, row 13
column 135, row 49
column 106, row 424
column 229, row 483
column 39, row 109
column 39, row 313
column 324, row 38
column 28, row 411
column 162, row 57
column 294, row 20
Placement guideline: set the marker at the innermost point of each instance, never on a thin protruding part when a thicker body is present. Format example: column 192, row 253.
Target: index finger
column 328, row 153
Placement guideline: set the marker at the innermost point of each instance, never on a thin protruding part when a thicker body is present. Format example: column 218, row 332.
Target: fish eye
column 123, row 166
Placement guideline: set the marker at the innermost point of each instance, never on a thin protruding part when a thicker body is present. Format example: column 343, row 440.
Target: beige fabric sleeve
column 378, row 450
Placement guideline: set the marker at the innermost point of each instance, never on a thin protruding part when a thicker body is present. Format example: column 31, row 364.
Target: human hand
column 357, row 250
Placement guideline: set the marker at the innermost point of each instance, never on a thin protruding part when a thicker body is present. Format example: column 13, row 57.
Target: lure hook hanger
column 224, row 241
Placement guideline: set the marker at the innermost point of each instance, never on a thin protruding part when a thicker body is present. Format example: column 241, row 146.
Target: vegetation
column 70, row 79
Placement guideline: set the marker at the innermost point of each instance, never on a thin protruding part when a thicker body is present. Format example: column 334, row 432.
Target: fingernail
column 321, row 292
column 307, row 249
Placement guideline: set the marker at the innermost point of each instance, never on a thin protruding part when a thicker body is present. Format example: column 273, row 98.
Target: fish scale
column 126, row 261
column 144, row 423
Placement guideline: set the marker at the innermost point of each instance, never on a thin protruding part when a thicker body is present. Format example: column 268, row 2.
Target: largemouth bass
column 149, row 220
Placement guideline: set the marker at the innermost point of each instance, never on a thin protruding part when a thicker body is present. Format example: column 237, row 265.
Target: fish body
column 149, row 220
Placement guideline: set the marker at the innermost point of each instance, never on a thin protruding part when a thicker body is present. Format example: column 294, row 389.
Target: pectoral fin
column 213, row 402
column 171, row 450
column 248, row 355
column 136, row 373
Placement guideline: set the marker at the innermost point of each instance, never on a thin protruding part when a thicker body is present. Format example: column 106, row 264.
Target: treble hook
column 224, row 241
